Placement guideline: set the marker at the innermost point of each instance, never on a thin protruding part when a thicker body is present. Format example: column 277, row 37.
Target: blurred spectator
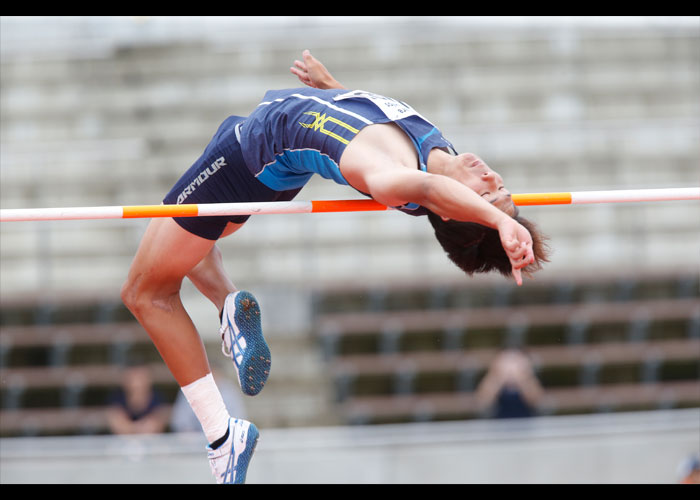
column 689, row 470
column 510, row 388
column 183, row 418
column 137, row 407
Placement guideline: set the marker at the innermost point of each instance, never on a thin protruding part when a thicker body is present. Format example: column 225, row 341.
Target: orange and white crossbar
column 321, row 206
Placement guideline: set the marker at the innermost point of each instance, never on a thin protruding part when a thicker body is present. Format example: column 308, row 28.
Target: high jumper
column 377, row 145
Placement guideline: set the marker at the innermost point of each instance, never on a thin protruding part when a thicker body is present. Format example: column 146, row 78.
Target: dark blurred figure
column 137, row 407
column 510, row 388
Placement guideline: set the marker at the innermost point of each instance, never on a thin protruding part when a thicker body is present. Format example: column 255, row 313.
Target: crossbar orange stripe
column 542, row 199
column 138, row 211
column 346, row 206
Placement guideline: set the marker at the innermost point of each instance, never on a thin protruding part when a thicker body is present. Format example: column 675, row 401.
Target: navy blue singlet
column 290, row 136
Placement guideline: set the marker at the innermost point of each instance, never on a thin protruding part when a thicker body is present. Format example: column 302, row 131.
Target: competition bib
column 393, row 109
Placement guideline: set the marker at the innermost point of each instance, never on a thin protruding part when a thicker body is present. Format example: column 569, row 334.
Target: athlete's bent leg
column 167, row 253
column 241, row 327
column 152, row 293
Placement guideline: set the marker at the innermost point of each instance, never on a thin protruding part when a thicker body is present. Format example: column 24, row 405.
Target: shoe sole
column 255, row 362
column 243, row 460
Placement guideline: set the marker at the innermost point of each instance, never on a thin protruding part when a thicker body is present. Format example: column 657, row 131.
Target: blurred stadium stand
column 100, row 111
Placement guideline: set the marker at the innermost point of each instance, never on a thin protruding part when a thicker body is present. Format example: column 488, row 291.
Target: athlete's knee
column 141, row 295
column 130, row 294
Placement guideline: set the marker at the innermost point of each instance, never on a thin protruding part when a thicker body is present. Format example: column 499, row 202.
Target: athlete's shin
column 210, row 278
column 205, row 399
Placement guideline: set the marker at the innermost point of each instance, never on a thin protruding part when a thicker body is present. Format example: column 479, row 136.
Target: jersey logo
column 319, row 125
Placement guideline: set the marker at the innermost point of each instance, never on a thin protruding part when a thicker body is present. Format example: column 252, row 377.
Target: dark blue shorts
column 220, row 175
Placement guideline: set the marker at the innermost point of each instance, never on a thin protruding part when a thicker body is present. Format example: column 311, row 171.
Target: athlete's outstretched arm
column 313, row 73
column 381, row 161
column 452, row 200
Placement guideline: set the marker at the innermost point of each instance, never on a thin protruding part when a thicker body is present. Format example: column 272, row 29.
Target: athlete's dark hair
column 477, row 249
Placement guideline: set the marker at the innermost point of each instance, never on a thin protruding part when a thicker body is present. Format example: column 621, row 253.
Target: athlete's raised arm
column 313, row 73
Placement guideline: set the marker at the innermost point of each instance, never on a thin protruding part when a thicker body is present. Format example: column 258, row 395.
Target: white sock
column 205, row 399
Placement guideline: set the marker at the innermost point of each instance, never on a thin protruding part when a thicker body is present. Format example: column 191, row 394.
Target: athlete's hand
column 517, row 242
column 311, row 72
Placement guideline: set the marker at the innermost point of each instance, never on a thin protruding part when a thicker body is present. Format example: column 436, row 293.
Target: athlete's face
column 475, row 174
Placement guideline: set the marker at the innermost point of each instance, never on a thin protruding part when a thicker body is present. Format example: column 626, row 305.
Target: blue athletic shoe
column 243, row 341
column 229, row 462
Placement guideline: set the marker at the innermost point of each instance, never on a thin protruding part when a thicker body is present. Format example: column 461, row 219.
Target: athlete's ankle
column 205, row 399
column 221, row 440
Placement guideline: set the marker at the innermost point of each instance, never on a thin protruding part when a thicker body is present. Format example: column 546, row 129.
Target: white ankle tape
column 205, row 399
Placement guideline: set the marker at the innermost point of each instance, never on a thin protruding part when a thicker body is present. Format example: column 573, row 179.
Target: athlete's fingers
column 308, row 58
column 511, row 245
column 518, row 276
column 518, row 252
column 530, row 255
column 302, row 75
column 522, row 262
column 307, row 62
column 525, row 254
column 310, row 71
column 299, row 68
column 517, row 243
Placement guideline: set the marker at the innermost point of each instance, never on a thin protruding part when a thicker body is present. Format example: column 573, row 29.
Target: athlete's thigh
column 167, row 252
column 231, row 228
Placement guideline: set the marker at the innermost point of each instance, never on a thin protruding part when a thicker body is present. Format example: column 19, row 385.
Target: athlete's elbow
column 429, row 191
